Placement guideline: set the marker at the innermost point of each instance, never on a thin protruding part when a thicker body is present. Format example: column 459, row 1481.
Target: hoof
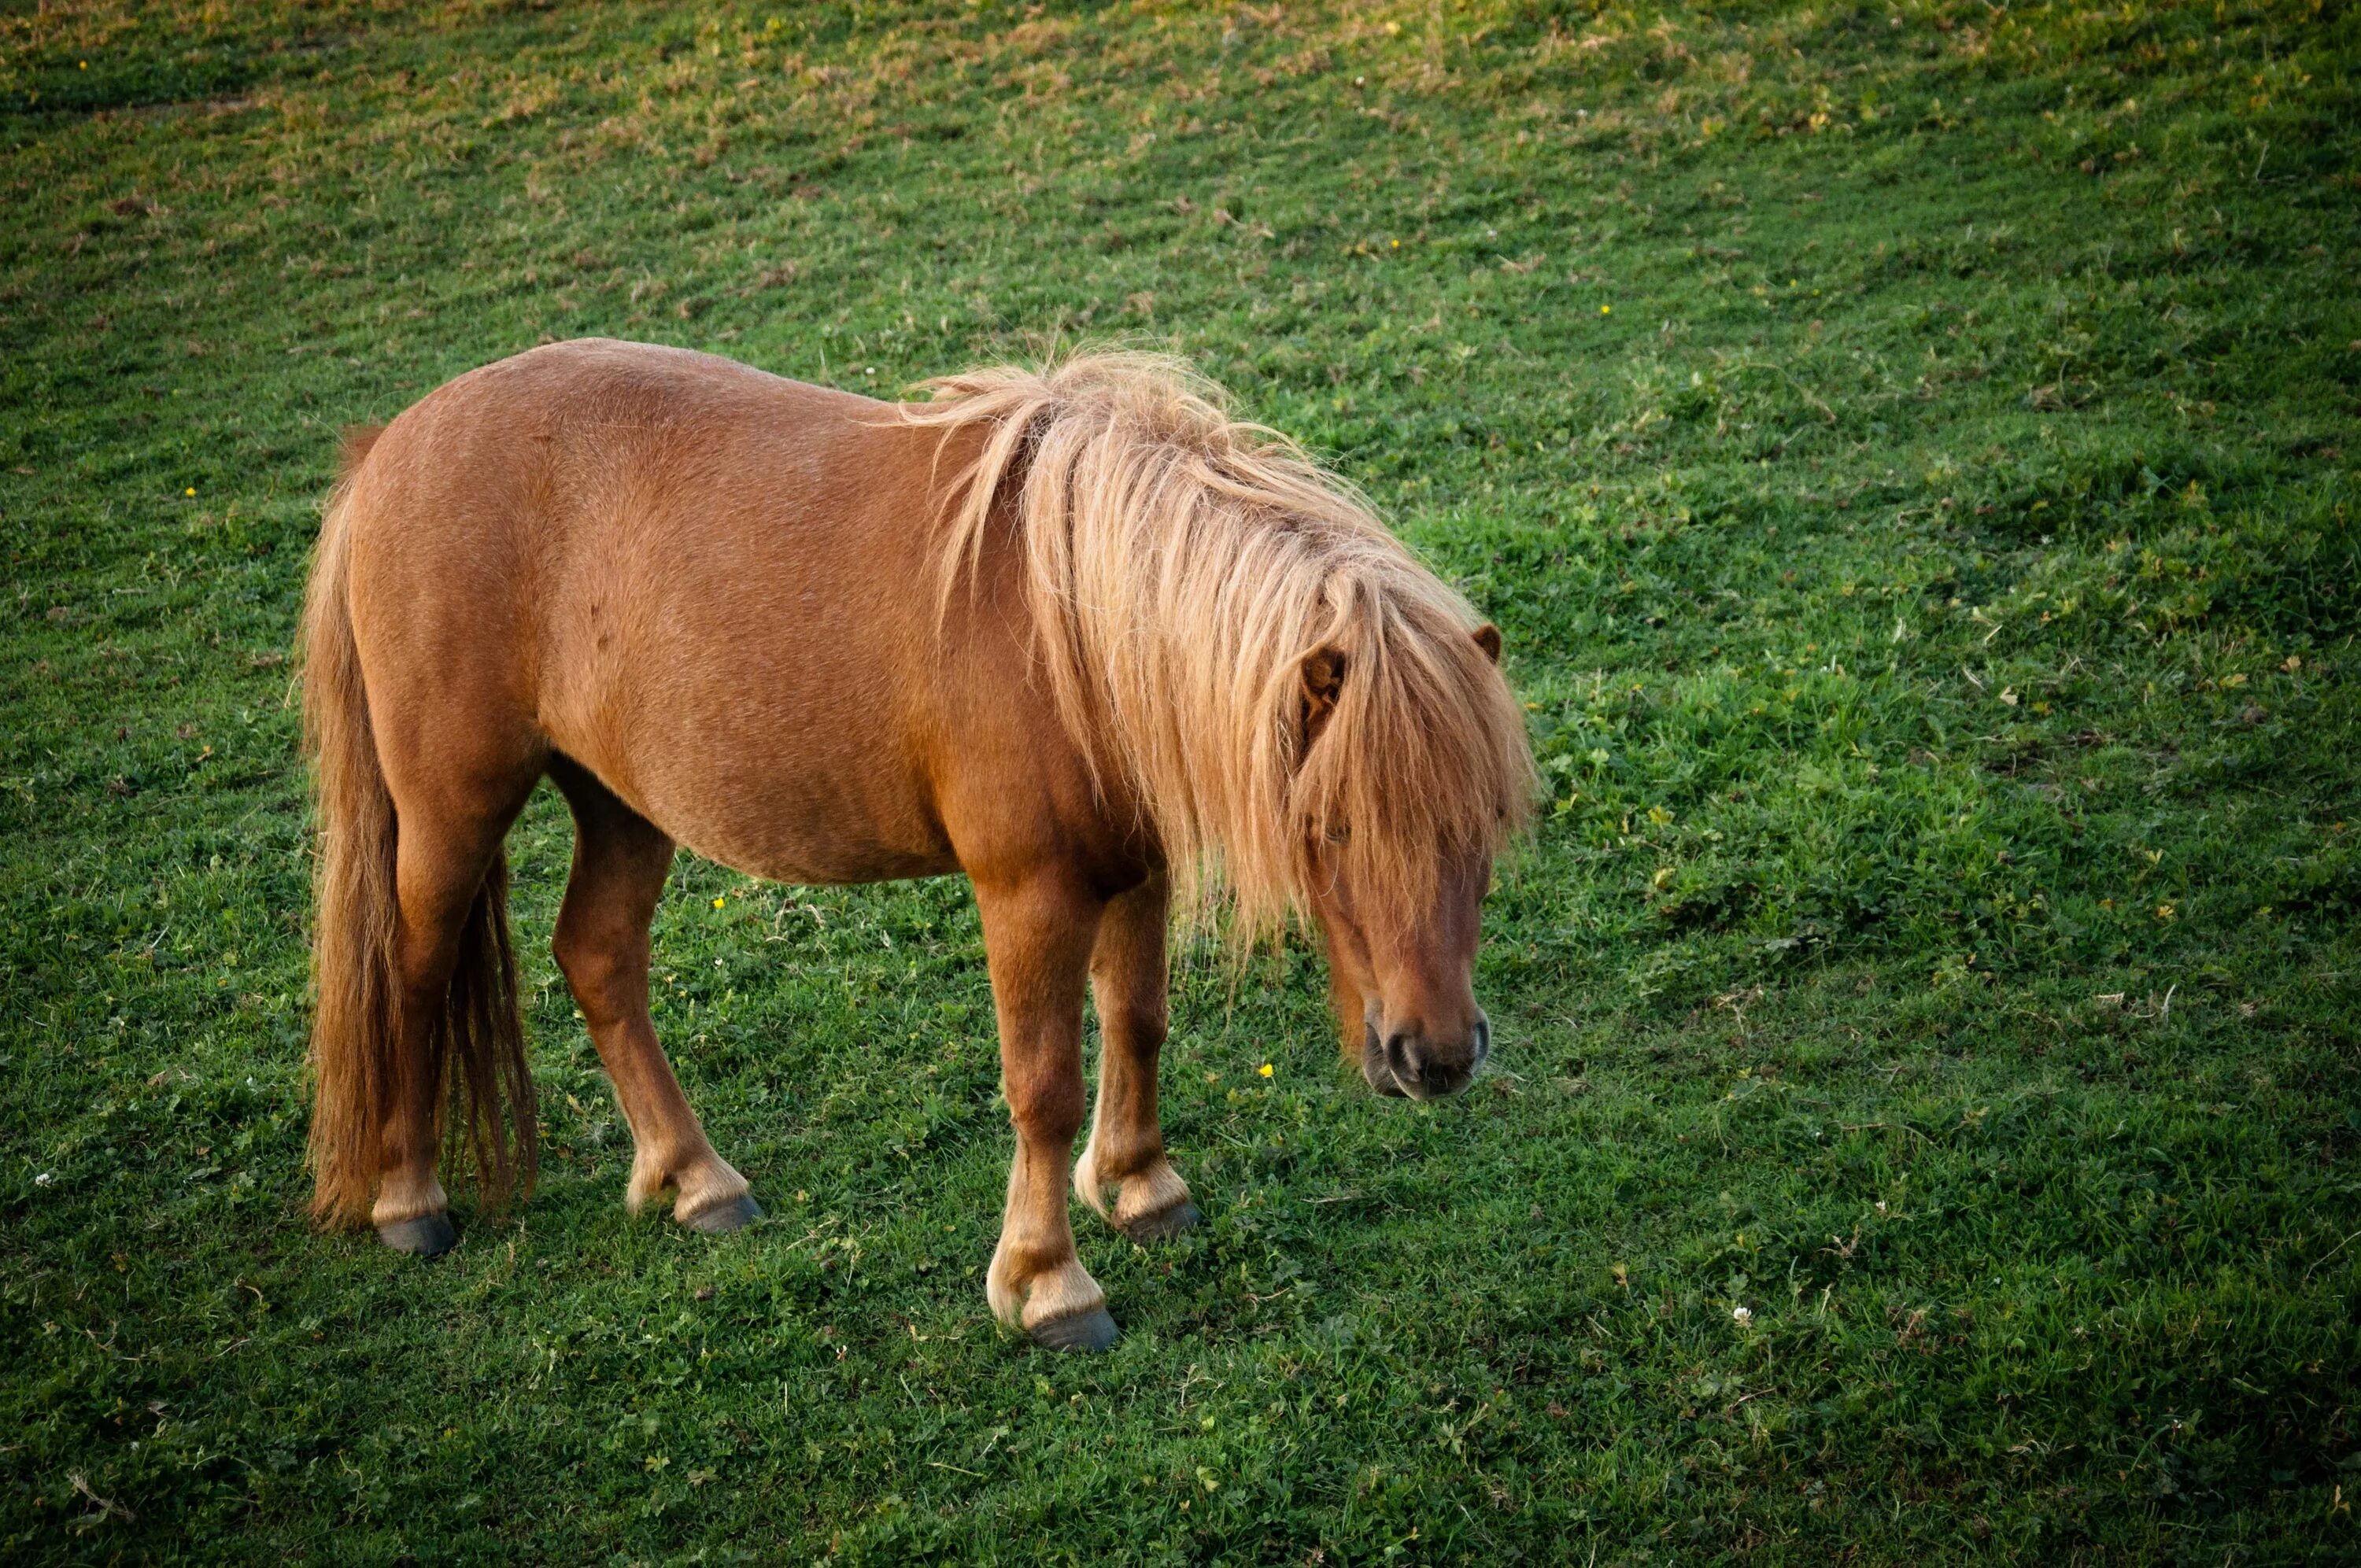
column 1165, row 1224
column 724, row 1217
column 1090, row 1331
column 429, row 1235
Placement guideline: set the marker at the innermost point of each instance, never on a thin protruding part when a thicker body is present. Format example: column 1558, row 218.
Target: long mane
column 1179, row 564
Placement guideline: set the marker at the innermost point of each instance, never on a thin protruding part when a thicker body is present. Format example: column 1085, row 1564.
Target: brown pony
column 1077, row 634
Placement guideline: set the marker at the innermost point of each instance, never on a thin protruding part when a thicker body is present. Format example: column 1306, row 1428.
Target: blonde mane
column 1180, row 567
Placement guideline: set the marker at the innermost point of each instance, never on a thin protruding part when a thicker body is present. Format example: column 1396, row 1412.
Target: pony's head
column 1311, row 718
column 1401, row 981
column 1405, row 789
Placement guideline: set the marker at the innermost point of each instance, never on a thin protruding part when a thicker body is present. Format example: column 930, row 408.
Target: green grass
column 1912, row 453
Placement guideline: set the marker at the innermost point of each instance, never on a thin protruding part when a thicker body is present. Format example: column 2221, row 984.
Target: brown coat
column 1077, row 634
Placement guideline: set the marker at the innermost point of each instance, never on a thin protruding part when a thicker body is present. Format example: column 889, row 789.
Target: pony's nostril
column 1424, row 1071
column 1378, row 1064
column 1403, row 1056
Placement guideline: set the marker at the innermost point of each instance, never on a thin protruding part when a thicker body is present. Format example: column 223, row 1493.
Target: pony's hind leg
column 1037, row 936
column 1123, row 1173
column 620, row 860
column 442, row 861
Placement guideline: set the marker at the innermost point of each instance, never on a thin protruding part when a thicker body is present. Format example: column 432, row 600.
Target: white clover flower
column 1742, row 1316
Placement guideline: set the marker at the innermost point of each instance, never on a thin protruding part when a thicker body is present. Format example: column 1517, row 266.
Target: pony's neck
column 1179, row 567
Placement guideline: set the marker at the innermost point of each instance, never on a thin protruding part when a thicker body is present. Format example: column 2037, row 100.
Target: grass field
column 1912, row 452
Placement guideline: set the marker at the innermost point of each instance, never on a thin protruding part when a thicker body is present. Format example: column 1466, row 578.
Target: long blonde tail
column 361, row 1070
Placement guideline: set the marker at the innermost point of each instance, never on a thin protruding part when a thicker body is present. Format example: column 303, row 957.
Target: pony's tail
column 476, row 1045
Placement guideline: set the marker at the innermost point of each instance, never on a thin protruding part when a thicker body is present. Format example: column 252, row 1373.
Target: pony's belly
column 750, row 768
column 785, row 835
column 831, row 865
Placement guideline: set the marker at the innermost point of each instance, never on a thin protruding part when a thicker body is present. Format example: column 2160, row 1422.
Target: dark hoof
column 429, row 1235
column 726, row 1217
column 1090, row 1331
column 1165, row 1224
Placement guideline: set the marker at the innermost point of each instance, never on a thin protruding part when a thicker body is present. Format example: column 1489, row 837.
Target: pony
column 1075, row 632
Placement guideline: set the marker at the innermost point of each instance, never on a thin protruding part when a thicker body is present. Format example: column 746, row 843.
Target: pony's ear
column 1487, row 637
column 1322, row 674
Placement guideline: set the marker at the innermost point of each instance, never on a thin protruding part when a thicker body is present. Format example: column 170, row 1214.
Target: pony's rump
column 1180, row 567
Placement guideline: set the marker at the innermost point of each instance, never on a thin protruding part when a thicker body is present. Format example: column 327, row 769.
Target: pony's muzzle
column 1406, row 1062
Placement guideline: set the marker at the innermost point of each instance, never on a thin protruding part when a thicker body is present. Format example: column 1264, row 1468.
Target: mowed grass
column 1911, row 451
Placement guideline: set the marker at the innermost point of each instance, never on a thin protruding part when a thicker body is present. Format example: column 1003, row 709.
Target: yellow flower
column 189, row 491
column 1604, row 308
column 1265, row 1070
column 719, row 902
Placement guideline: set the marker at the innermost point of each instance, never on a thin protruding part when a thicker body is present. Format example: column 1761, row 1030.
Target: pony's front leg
column 1124, row 1174
column 1037, row 936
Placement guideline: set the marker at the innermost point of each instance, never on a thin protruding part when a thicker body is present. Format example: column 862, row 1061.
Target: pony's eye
column 1338, row 834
